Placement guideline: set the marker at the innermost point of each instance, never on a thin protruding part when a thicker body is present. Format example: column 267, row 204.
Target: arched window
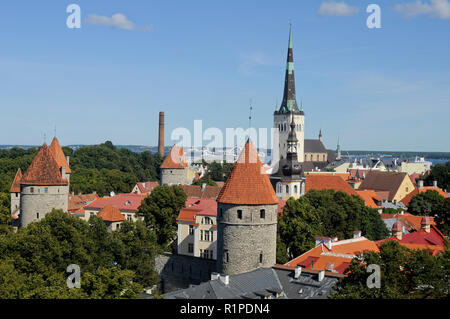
column 287, row 189
column 295, row 189
column 260, row 257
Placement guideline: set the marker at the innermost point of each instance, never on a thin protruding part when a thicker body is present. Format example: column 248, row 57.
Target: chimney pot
column 420, row 184
column 225, row 279
column 297, row 272
column 321, row 275
column 435, row 184
column 356, row 234
column 215, row 276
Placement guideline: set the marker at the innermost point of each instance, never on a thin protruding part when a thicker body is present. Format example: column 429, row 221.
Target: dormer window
column 127, row 203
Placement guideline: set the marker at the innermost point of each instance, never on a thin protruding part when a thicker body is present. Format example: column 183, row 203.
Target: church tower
column 288, row 180
column 289, row 107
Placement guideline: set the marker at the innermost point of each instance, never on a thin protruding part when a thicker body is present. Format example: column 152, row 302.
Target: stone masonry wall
column 171, row 176
column 179, row 271
column 245, row 239
column 41, row 202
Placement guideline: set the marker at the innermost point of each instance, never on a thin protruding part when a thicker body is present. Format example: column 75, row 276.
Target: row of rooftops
column 333, row 255
column 278, row 282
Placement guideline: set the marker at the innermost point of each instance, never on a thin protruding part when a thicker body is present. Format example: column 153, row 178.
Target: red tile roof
column 420, row 237
column 247, row 184
column 43, row 170
column 200, row 207
column 147, row 187
column 15, row 187
column 414, row 221
column 123, row 202
column 416, row 191
column 320, row 182
column 340, row 255
column 81, row 200
column 58, row 154
column 111, row 214
column 196, row 191
column 175, row 159
column 369, row 197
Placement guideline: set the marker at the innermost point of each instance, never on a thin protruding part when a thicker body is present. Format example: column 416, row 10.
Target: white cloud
column 437, row 8
column 253, row 61
column 333, row 8
column 117, row 20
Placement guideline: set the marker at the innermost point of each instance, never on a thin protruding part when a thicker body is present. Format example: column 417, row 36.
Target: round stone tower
column 246, row 217
column 42, row 187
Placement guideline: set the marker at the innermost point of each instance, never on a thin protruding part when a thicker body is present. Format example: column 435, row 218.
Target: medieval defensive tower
column 246, row 217
column 45, row 184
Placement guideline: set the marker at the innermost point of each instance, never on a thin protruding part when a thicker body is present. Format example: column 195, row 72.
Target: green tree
column 33, row 261
column 5, row 214
column 160, row 210
column 405, row 274
column 326, row 213
column 441, row 174
column 298, row 226
column 427, row 203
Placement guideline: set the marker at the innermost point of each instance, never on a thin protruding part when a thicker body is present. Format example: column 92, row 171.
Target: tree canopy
column 325, row 213
column 34, row 260
column 441, row 174
column 103, row 168
column 405, row 274
column 431, row 203
column 160, row 210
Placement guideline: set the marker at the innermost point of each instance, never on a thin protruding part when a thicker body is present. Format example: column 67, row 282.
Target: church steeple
column 292, row 166
column 338, row 149
column 289, row 103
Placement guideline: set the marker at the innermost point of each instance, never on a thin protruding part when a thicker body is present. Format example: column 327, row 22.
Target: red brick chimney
column 161, row 134
column 397, row 230
column 426, row 223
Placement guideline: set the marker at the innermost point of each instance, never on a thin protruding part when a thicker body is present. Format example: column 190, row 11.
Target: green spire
column 289, row 103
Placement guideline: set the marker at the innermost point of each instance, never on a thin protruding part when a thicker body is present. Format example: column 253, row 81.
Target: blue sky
column 378, row 89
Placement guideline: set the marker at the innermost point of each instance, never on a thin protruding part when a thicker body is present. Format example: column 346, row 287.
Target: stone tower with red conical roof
column 174, row 168
column 246, row 217
column 43, row 187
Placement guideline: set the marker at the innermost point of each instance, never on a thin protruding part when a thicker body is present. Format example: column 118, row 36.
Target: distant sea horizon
column 434, row 157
